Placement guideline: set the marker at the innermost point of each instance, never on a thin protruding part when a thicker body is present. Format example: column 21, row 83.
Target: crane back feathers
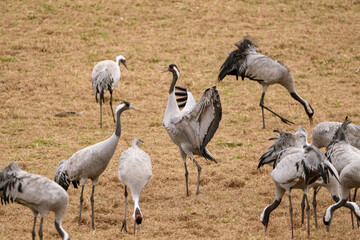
column 235, row 64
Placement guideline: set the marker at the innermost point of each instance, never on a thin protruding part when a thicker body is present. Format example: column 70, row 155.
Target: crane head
column 172, row 68
column 121, row 59
column 124, row 105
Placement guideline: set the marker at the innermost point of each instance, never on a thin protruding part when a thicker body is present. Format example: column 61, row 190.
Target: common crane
column 106, row 74
column 36, row 192
column 342, row 154
column 90, row 162
column 192, row 128
column 247, row 62
column 297, row 171
column 135, row 171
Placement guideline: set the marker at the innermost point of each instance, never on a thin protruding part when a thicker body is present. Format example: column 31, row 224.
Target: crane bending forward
column 247, row 62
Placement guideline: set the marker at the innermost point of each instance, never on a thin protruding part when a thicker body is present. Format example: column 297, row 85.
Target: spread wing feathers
column 201, row 123
column 10, row 183
column 283, row 140
column 184, row 95
column 61, row 175
column 103, row 81
column 236, row 63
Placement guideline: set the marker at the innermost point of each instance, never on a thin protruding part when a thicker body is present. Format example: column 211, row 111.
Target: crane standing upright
column 192, row 128
column 106, row 74
column 90, row 162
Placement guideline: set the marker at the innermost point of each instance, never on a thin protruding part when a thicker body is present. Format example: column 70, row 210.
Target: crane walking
column 106, row 74
column 135, row 171
column 90, row 162
column 247, row 62
column 36, row 192
column 192, row 128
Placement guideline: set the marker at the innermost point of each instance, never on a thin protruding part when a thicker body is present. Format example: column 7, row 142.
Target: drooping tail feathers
column 236, row 64
column 61, row 175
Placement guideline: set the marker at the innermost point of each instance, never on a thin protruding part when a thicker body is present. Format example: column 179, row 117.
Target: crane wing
column 102, row 81
column 184, row 94
column 201, row 123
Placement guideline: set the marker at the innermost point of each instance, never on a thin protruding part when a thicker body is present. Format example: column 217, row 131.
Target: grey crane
column 106, row 74
column 324, row 132
column 90, row 162
column 192, row 128
column 135, row 172
column 287, row 143
column 247, row 62
column 36, row 192
column 297, row 171
column 341, row 153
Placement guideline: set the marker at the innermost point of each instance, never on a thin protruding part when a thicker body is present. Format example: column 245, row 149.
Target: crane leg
column 40, row 228
column 198, row 180
column 291, row 216
column 92, row 207
column 124, row 222
column 81, row 201
column 186, row 179
column 100, row 113
column 284, row 120
column 112, row 111
column 308, row 214
column 302, row 209
column 33, row 230
column 315, row 204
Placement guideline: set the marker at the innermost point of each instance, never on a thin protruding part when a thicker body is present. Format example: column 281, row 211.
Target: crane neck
column 175, row 78
column 118, row 123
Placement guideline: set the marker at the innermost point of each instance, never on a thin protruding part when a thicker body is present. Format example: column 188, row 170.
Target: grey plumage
column 346, row 160
column 134, row 171
column 247, row 62
column 324, row 132
column 36, row 192
column 298, row 171
column 285, row 143
column 90, row 162
column 192, row 128
column 106, row 74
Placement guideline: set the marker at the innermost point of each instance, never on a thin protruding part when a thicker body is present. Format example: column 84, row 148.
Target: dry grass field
column 49, row 48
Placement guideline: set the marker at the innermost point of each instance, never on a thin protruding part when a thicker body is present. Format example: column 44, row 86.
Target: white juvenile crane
column 192, row 128
column 90, row 162
column 135, row 172
column 36, row 192
column 247, row 62
column 297, row 171
column 106, row 74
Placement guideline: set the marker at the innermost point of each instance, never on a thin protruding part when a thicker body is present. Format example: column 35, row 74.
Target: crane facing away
column 106, row 74
column 247, row 62
column 192, row 128
column 90, row 162
column 36, row 192
column 135, row 171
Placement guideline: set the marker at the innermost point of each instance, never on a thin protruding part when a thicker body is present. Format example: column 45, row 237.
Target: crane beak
column 124, row 63
column 134, row 108
column 311, row 121
column 167, row 69
column 328, row 228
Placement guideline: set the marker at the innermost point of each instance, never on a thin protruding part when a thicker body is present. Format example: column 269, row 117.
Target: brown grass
column 48, row 50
